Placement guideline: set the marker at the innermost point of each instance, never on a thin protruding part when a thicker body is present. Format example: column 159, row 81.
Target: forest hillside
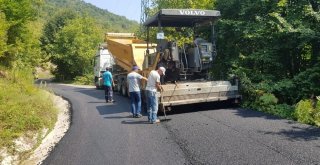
column 109, row 20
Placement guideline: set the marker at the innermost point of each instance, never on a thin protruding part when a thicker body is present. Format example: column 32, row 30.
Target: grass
column 23, row 107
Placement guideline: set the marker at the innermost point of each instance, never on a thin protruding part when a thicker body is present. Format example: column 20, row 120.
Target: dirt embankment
column 49, row 139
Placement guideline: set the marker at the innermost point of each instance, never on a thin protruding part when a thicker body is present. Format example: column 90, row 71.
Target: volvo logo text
column 191, row 12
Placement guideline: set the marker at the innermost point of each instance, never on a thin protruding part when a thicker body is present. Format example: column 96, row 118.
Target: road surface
column 105, row 133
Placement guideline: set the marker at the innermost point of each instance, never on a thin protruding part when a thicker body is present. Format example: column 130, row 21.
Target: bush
column 305, row 113
column 265, row 102
column 283, row 111
column 87, row 79
column 307, row 82
column 317, row 117
column 267, row 99
column 23, row 107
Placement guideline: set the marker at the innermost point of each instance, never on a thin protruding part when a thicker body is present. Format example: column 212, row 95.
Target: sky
column 128, row 8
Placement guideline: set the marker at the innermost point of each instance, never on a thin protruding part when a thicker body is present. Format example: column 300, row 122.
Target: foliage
column 74, row 47
column 3, row 34
column 265, row 102
column 21, row 23
column 305, row 113
column 23, row 107
column 18, row 44
column 71, row 36
column 52, row 27
column 283, row 111
column 179, row 4
column 271, row 46
column 308, row 82
column 109, row 21
column 269, row 103
column 87, row 79
column 285, row 90
column 267, row 99
column 317, row 117
column 257, row 30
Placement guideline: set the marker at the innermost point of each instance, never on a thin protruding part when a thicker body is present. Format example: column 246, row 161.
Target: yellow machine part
column 127, row 49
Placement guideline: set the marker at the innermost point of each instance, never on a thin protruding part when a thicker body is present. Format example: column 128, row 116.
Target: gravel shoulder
column 59, row 130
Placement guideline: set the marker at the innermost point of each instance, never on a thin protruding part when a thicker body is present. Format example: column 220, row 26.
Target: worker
column 107, row 85
column 133, row 82
column 153, row 85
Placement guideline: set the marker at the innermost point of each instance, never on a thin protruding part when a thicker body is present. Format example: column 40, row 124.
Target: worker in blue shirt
column 107, row 85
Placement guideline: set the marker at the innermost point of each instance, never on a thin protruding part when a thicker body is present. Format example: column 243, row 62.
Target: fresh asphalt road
column 104, row 133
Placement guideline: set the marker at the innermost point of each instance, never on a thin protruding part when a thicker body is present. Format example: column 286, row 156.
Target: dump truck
column 187, row 79
column 127, row 51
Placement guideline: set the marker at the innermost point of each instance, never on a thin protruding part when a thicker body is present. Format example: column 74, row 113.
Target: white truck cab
column 102, row 60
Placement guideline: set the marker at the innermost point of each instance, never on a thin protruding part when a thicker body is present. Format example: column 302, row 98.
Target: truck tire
column 99, row 87
column 124, row 91
column 96, row 82
column 118, row 87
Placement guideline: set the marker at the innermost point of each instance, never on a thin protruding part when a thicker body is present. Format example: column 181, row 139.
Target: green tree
column 16, row 37
column 75, row 47
column 267, row 41
column 54, row 26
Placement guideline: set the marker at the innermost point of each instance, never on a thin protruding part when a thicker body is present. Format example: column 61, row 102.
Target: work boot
column 138, row 116
column 155, row 122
